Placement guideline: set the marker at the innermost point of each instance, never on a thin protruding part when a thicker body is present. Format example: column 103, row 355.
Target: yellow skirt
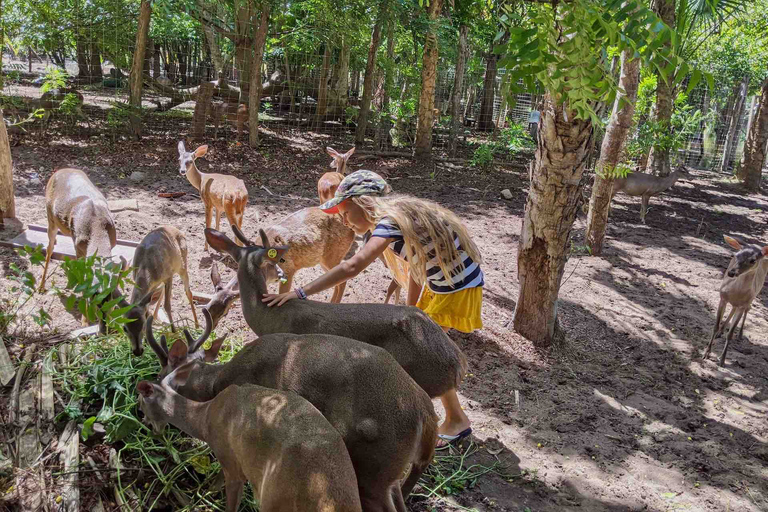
column 460, row 310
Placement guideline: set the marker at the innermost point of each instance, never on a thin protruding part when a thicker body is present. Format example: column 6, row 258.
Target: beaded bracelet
column 300, row 293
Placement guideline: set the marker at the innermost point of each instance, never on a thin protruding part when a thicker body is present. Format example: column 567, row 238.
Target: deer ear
column 215, row 277
column 732, row 242
column 177, row 353
column 181, row 147
column 201, row 151
column 264, row 238
column 221, row 243
column 123, row 263
column 145, row 388
column 350, row 153
column 331, row 151
column 181, row 374
column 212, row 353
column 275, row 254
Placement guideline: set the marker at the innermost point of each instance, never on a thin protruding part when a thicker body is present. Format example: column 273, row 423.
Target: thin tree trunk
column 243, row 55
column 553, row 201
column 83, row 67
column 156, row 62
column 458, row 87
column 423, row 144
column 470, row 101
column 485, row 118
column 385, row 122
column 150, row 48
column 340, row 89
column 733, row 126
column 97, row 74
column 213, row 47
column 751, row 168
column 659, row 158
column 202, row 102
column 7, row 200
column 255, row 89
column 137, row 76
column 611, row 152
column 370, row 68
column 322, row 89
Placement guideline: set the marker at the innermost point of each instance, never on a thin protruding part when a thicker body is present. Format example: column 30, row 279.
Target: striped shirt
column 470, row 276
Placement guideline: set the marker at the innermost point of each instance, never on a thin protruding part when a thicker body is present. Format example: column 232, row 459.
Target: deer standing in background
column 742, row 282
column 295, row 460
column 160, row 255
column 329, row 181
column 78, row 209
column 235, row 113
column 638, row 184
column 219, row 192
column 386, row 427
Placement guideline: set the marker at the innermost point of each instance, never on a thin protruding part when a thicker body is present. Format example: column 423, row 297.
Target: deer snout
column 732, row 273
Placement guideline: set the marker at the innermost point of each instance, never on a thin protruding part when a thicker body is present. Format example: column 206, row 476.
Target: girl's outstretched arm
column 338, row 274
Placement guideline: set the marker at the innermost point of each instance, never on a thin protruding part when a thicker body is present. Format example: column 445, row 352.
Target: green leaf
column 88, row 428
column 694, row 81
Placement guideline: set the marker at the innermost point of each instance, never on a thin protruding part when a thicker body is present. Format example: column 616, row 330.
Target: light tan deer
column 159, row 256
column 329, row 182
column 235, row 113
column 295, row 460
column 638, row 184
column 219, row 192
column 386, row 426
column 742, row 282
column 78, row 209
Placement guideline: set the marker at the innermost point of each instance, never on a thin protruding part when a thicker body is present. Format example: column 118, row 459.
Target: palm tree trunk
column 550, row 210
column 658, row 159
column 428, row 82
column 751, row 168
column 370, row 68
column 611, row 153
column 458, row 87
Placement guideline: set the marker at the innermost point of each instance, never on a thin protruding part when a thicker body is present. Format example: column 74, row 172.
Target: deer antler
column 161, row 351
column 194, row 345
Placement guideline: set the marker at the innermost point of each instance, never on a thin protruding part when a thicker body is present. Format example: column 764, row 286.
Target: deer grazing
column 294, row 459
column 646, row 185
column 742, row 282
column 160, row 255
column 386, row 427
column 219, row 192
column 77, row 208
column 235, row 113
column 421, row 347
column 329, row 181
column 224, row 296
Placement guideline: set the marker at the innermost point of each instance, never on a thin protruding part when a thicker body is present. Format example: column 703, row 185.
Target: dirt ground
column 625, row 417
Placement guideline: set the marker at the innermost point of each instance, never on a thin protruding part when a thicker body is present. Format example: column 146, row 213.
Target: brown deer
column 329, row 181
column 646, row 185
column 78, row 209
column 386, row 427
column 219, row 192
column 421, row 347
column 159, row 256
column 294, row 459
column 742, row 282
column 235, row 113
column 224, row 296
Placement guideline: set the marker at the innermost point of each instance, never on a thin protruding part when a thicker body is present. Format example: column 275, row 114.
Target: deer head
column 746, row 259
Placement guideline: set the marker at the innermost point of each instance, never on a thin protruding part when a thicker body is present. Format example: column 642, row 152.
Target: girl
column 440, row 252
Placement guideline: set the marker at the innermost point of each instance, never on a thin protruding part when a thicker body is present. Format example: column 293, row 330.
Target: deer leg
column 716, row 328
column 740, row 313
column 338, row 292
column 644, row 208
column 157, row 304
column 234, row 492
column 208, row 212
column 185, row 279
column 218, row 219
column 743, row 321
column 167, row 301
column 52, row 232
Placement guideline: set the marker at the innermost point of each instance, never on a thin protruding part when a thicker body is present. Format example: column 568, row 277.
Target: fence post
column 204, row 95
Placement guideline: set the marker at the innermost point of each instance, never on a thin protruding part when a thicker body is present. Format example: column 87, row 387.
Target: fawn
column 219, row 192
column 77, row 208
column 235, row 113
column 329, row 181
column 294, row 459
column 646, row 185
column 742, row 282
column 160, row 255
column 385, row 426
column 421, row 347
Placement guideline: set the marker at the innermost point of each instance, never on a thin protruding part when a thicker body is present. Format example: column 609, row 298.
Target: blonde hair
column 419, row 220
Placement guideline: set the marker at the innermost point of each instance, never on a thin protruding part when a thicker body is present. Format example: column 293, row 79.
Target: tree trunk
column 213, row 47
column 370, row 68
column 137, row 75
column 243, row 55
column 181, row 57
column 83, row 66
column 7, row 200
column 551, row 207
column 156, row 62
column 751, row 168
column 733, row 126
column 385, row 122
column 611, row 153
column 254, row 94
column 502, row 117
column 322, row 89
column 340, row 88
column 204, row 95
column 485, row 118
column 470, row 101
column 458, row 87
column 150, row 49
column 423, row 144
column 658, row 159
column 96, row 72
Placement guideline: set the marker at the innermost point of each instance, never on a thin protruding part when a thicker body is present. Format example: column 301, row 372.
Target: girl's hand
column 279, row 298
